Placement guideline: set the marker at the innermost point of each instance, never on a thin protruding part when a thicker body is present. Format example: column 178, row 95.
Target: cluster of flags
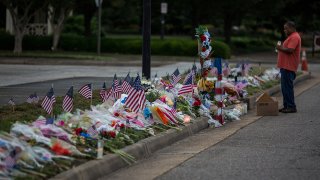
column 188, row 82
column 114, row 92
column 135, row 100
column 136, row 94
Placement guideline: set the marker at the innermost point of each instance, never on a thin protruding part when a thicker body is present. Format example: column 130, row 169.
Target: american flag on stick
column 107, row 95
column 188, row 85
column 11, row 102
column 103, row 91
column 48, row 101
column 86, row 91
column 176, row 76
column 33, row 98
column 136, row 97
column 116, row 89
column 92, row 131
column 126, row 86
column 67, row 103
column 10, row 161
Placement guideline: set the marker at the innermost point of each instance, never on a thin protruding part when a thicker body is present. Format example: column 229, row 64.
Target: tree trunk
column 227, row 28
column 18, row 37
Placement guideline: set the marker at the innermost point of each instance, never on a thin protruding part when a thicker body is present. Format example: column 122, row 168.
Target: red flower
column 78, row 131
column 203, row 38
column 197, row 102
column 112, row 134
column 104, row 133
column 116, row 114
column 121, row 126
column 59, row 150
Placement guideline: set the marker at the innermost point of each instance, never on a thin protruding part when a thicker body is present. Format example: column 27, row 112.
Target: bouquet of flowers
column 204, row 40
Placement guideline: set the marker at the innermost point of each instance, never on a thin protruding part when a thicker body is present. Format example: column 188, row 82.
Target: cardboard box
column 266, row 105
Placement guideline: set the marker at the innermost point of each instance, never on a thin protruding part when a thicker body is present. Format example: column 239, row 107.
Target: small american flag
column 174, row 107
column 165, row 84
column 48, row 101
column 30, row 99
column 11, row 102
column 116, row 90
column 155, row 79
column 107, row 95
column 126, row 86
column 192, row 74
column 136, row 97
column 33, row 98
column 103, row 91
column 86, row 91
column 176, row 76
column 67, row 103
column 187, row 87
column 194, row 68
column 92, row 131
column 10, row 162
column 39, row 122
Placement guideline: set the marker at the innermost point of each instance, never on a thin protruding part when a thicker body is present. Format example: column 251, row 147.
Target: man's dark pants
column 287, row 78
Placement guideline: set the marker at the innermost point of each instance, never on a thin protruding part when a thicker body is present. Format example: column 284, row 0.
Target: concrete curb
column 140, row 150
column 146, row 147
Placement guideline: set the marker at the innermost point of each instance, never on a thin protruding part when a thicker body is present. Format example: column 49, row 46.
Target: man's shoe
column 289, row 110
column 280, row 110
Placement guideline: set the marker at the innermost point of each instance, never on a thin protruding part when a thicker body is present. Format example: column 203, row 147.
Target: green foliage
column 201, row 30
column 252, row 44
column 153, row 95
column 74, row 25
column 125, row 45
column 221, row 49
column 37, row 42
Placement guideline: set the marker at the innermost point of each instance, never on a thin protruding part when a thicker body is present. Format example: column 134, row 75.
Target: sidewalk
column 279, row 147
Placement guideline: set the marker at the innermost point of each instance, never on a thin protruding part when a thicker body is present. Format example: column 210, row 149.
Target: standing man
column 288, row 62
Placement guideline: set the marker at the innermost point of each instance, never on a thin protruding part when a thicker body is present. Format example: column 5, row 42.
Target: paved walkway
column 281, row 147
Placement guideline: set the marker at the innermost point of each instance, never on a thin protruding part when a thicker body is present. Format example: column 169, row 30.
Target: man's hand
column 285, row 50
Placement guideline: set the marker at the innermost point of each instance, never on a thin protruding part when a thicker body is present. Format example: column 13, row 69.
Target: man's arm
column 285, row 50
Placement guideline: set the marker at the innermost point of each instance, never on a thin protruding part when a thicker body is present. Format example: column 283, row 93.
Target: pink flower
column 61, row 123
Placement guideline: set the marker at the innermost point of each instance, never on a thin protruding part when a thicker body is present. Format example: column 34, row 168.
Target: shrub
column 6, row 40
column 37, row 42
column 128, row 45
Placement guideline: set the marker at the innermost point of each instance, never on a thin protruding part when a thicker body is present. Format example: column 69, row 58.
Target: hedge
column 71, row 42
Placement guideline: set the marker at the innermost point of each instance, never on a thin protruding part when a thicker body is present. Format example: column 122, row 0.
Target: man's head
column 289, row 27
